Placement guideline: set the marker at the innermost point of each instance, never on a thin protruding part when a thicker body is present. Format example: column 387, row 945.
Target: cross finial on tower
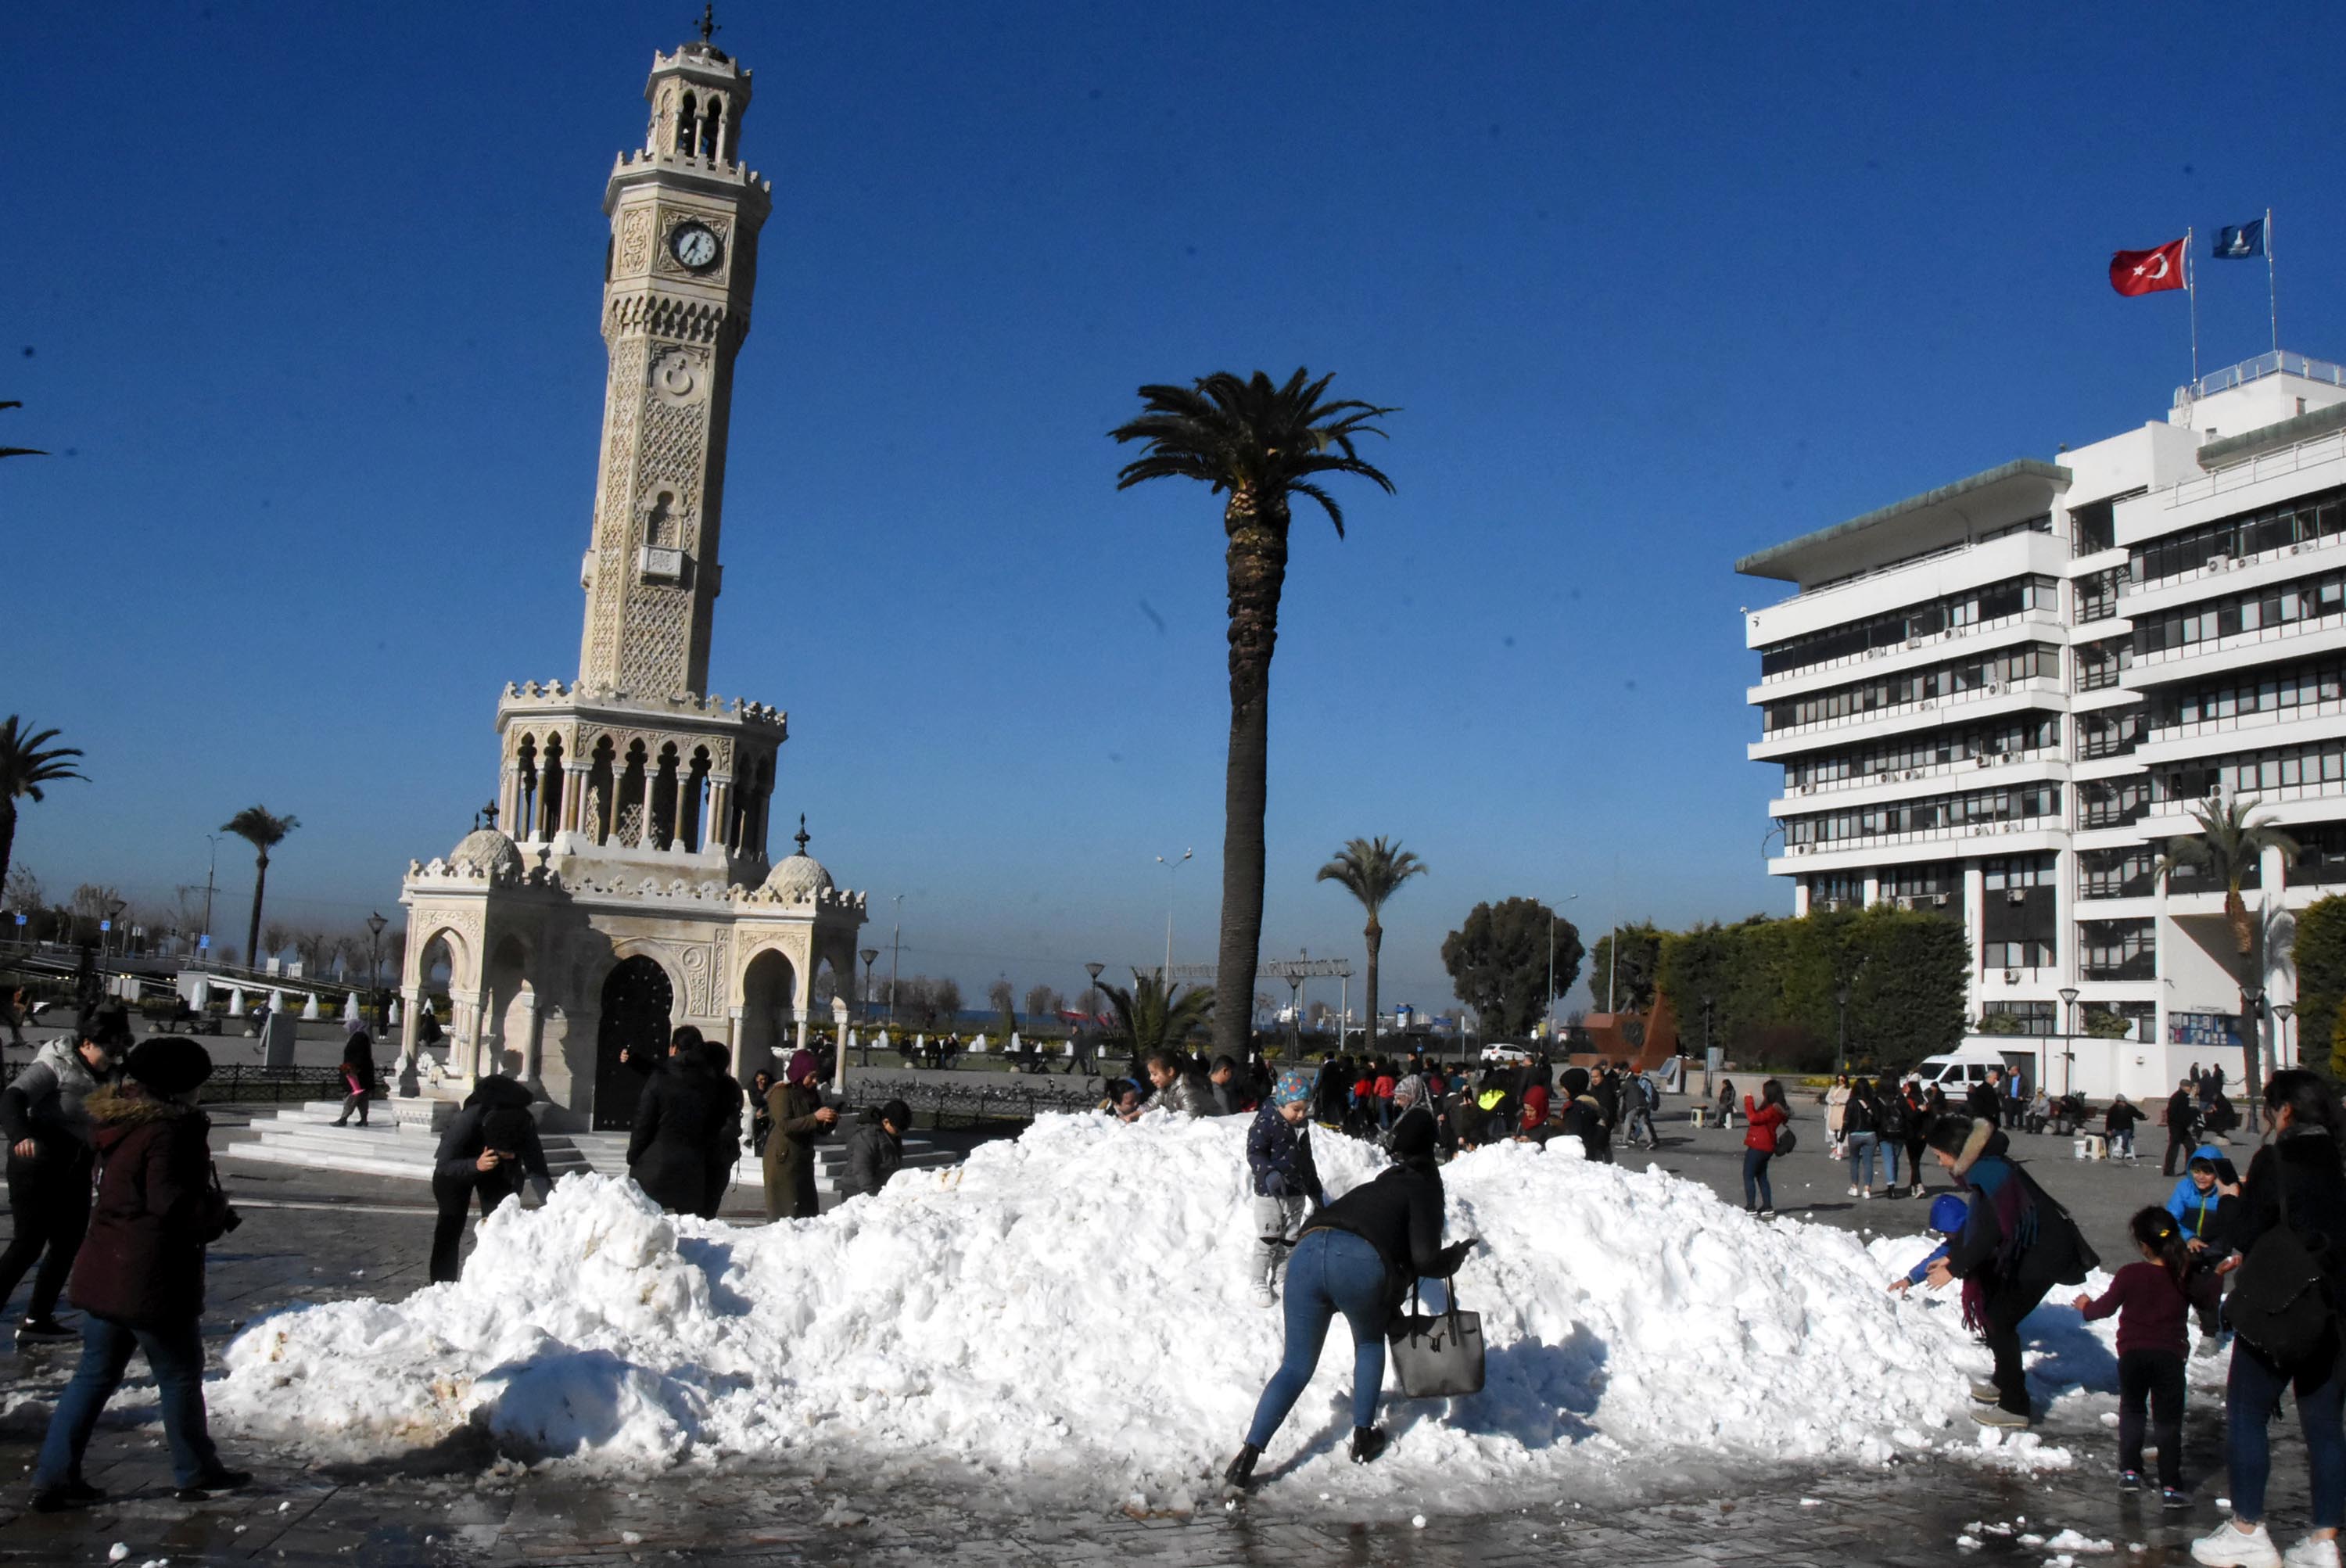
column 803, row 835
column 708, row 21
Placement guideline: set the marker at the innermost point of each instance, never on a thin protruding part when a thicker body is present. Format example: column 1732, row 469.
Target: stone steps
column 401, row 1136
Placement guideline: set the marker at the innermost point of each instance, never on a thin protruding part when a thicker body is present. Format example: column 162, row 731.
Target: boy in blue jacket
column 2196, row 1197
column 1286, row 1183
column 1948, row 1213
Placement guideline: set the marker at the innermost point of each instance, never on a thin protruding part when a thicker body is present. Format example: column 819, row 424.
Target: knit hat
column 801, row 1065
column 168, row 1064
column 1575, row 1082
column 1293, row 1087
column 1948, row 1213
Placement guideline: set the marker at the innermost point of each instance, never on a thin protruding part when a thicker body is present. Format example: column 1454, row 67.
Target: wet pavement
column 311, row 1235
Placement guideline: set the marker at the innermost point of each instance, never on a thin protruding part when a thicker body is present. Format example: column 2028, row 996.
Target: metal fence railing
column 1017, row 1099
column 243, row 1082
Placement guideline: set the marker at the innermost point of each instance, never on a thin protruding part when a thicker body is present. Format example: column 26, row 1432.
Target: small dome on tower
column 797, row 879
column 489, row 852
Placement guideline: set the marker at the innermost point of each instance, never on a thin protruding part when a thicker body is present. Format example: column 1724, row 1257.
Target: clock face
column 693, row 245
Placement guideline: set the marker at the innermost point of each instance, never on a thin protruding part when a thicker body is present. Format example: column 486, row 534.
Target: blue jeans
column 1865, row 1147
column 2250, row 1398
column 1330, row 1271
column 176, row 1355
column 1757, row 1193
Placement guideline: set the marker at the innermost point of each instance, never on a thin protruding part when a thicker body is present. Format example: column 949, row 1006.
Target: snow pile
column 1071, row 1308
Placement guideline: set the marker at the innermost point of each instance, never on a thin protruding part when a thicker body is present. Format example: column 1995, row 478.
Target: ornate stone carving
column 636, row 237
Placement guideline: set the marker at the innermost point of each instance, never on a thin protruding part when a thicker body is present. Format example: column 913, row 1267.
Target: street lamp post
column 1171, row 866
column 870, row 955
column 896, row 957
column 1295, row 1011
column 2284, row 1011
column 1708, row 1002
column 1082, row 1056
column 375, row 922
column 113, row 909
column 213, row 839
column 2069, row 1018
column 2252, row 1029
column 1841, row 1050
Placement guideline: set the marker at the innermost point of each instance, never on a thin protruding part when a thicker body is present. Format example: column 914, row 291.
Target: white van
column 1957, row 1072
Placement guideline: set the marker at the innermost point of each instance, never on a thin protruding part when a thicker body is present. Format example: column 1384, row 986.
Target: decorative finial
column 803, row 835
column 708, row 21
column 488, row 815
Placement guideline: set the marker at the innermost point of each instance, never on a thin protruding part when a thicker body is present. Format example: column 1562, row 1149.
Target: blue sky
column 305, row 299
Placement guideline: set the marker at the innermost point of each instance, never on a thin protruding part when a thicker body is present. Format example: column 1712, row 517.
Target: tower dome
column 797, row 879
column 489, row 852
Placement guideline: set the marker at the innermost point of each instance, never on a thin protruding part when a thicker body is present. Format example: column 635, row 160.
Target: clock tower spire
column 685, row 214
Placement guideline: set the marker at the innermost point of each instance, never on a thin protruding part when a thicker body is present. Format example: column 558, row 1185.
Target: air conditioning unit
column 2016, row 896
column 1913, row 642
column 1942, row 900
column 2012, row 977
column 1981, row 761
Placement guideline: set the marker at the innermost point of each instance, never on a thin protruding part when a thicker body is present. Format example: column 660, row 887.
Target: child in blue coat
column 1285, row 1183
column 1947, row 1215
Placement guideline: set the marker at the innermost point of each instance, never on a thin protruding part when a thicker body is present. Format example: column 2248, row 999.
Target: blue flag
column 2236, row 244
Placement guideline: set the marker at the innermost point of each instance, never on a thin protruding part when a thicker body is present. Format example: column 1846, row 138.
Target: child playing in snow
column 2148, row 1298
column 1286, row 1185
column 1947, row 1215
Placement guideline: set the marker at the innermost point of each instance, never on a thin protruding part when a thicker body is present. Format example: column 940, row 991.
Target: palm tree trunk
column 7, row 842
column 252, row 932
column 2244, row 944
column 1376, row 938
column 1256, row 564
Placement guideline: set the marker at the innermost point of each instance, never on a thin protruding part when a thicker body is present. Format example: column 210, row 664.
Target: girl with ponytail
column 2152, row 1309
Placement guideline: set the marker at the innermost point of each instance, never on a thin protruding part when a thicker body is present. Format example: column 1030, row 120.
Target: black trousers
column 2004, row 1310
column 2175, row 1146
column 2155, row 1378
column 48, row 1202
column 454, row 1197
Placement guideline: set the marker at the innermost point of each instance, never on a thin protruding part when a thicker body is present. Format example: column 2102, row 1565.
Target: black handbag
column 2279, row 1306
column 1437, row 1356
column 1787, row 1140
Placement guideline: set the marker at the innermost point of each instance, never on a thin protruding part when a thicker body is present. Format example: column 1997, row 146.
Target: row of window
column 1971, row 608
column 2021, row 802
column 2111, row 733
column 2274, row 690
column 2097, row 594
column 2006, row 664
column 2256, row 772
column 2127, row 871
column 2322, row 516
column 2113, row 802
column 2031, row 954
column 2285, row 604
column 2100, row 664
column 1928, row 748
column 2000, row 873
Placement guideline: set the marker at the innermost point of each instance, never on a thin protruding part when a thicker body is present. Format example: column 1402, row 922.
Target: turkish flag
column 2136, row 272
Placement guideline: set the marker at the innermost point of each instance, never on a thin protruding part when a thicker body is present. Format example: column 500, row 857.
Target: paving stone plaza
column 323, row 1235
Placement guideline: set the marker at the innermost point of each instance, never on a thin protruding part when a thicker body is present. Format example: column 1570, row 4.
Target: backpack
column 2278, row 1304
column 1893, row 1118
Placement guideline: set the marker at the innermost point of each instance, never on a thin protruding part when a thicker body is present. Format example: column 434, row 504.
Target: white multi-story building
column 1998, row 699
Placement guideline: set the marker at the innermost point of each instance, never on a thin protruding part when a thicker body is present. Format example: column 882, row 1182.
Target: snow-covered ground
column 1069, row 1311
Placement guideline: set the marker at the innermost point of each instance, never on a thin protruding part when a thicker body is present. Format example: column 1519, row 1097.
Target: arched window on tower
column 687, row 128
column 696, row 799
column 709, row 128
column 660, row 522
column 549, row 809
column 527, row 791
column 664, row 799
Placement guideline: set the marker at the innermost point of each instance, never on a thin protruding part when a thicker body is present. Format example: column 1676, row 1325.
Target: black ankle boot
column 1367, row 1443
column 1242, row 1471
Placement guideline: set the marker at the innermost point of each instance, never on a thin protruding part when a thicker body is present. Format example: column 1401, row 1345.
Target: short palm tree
column 1372, row 871
column 27, row 761
column 18, row 452
column 264, row 832
column 1153, row 1016
column 1264, row 443
column 2225, row 849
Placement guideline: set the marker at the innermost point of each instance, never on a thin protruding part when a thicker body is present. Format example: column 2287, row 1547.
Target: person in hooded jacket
column 801, row 1120
column 2016, row 1244
column 875, row 1151
column 724, row 1148
column 358, row 1076
column 139, row 1277
column 681, row 1114
column 1358, row 1256
column 490, row 1148
column 1584, row 1119
column 1284, row 1179
column 51, row 1144
column 2297, row 1180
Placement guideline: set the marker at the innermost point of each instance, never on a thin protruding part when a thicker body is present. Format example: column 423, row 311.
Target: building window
column 1932, row 813
column 2262, row 609
column 1990, row 672
column 2321, row 854
column 2000, row 740
column 1838, row 889
column 2117, row 950
column 2016, row 955
column 2322, row 516
column 2112, row 802
column 2285, row 690
column 2026, row 1018
column 2121, row 873
column 2321, row 766
column 2109, row 732
column 2100, row 664
column 2097, row 594
column 1975, row 606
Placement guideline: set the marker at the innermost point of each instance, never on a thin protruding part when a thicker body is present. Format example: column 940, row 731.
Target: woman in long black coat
column 488, row 1152
column 683, row 1110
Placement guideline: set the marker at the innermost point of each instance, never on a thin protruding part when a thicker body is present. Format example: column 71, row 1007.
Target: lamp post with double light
column 2068, row 1022
column 375, row 924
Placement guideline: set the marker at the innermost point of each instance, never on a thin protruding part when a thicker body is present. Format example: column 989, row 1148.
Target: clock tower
column 685, row 214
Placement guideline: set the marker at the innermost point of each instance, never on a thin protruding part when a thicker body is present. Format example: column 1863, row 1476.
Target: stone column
column 533, row 1038
column 719, row 828
column 464, row 1037
column 411, row 1021
column 574, row 788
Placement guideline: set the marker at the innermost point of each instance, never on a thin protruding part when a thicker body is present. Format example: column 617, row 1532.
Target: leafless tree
column 1000, row 997
column 1042, row 1001
column 274, row 940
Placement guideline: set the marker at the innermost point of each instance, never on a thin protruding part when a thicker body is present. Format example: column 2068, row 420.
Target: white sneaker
column 1852, row 1192
column 1865, row 1193
column 2311, row 1554
column 2225, row 1547
column 1264, row 1296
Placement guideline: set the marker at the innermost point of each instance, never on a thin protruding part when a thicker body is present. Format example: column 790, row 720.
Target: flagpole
column 2191, row 288
column 2272, row 288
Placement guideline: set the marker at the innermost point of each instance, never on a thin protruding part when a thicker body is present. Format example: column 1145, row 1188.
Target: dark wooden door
column 635, row 1003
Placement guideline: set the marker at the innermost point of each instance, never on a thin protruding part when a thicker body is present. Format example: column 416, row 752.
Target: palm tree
column 21, row 452
column 1264, row 444
column 1371, row 871
column 2226, row 848
column 263, row 832
column 1154, row 1017
column 27, row 761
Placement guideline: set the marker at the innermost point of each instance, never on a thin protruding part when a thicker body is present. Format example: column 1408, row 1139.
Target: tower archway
column 769, row 995
column 636, row 1003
